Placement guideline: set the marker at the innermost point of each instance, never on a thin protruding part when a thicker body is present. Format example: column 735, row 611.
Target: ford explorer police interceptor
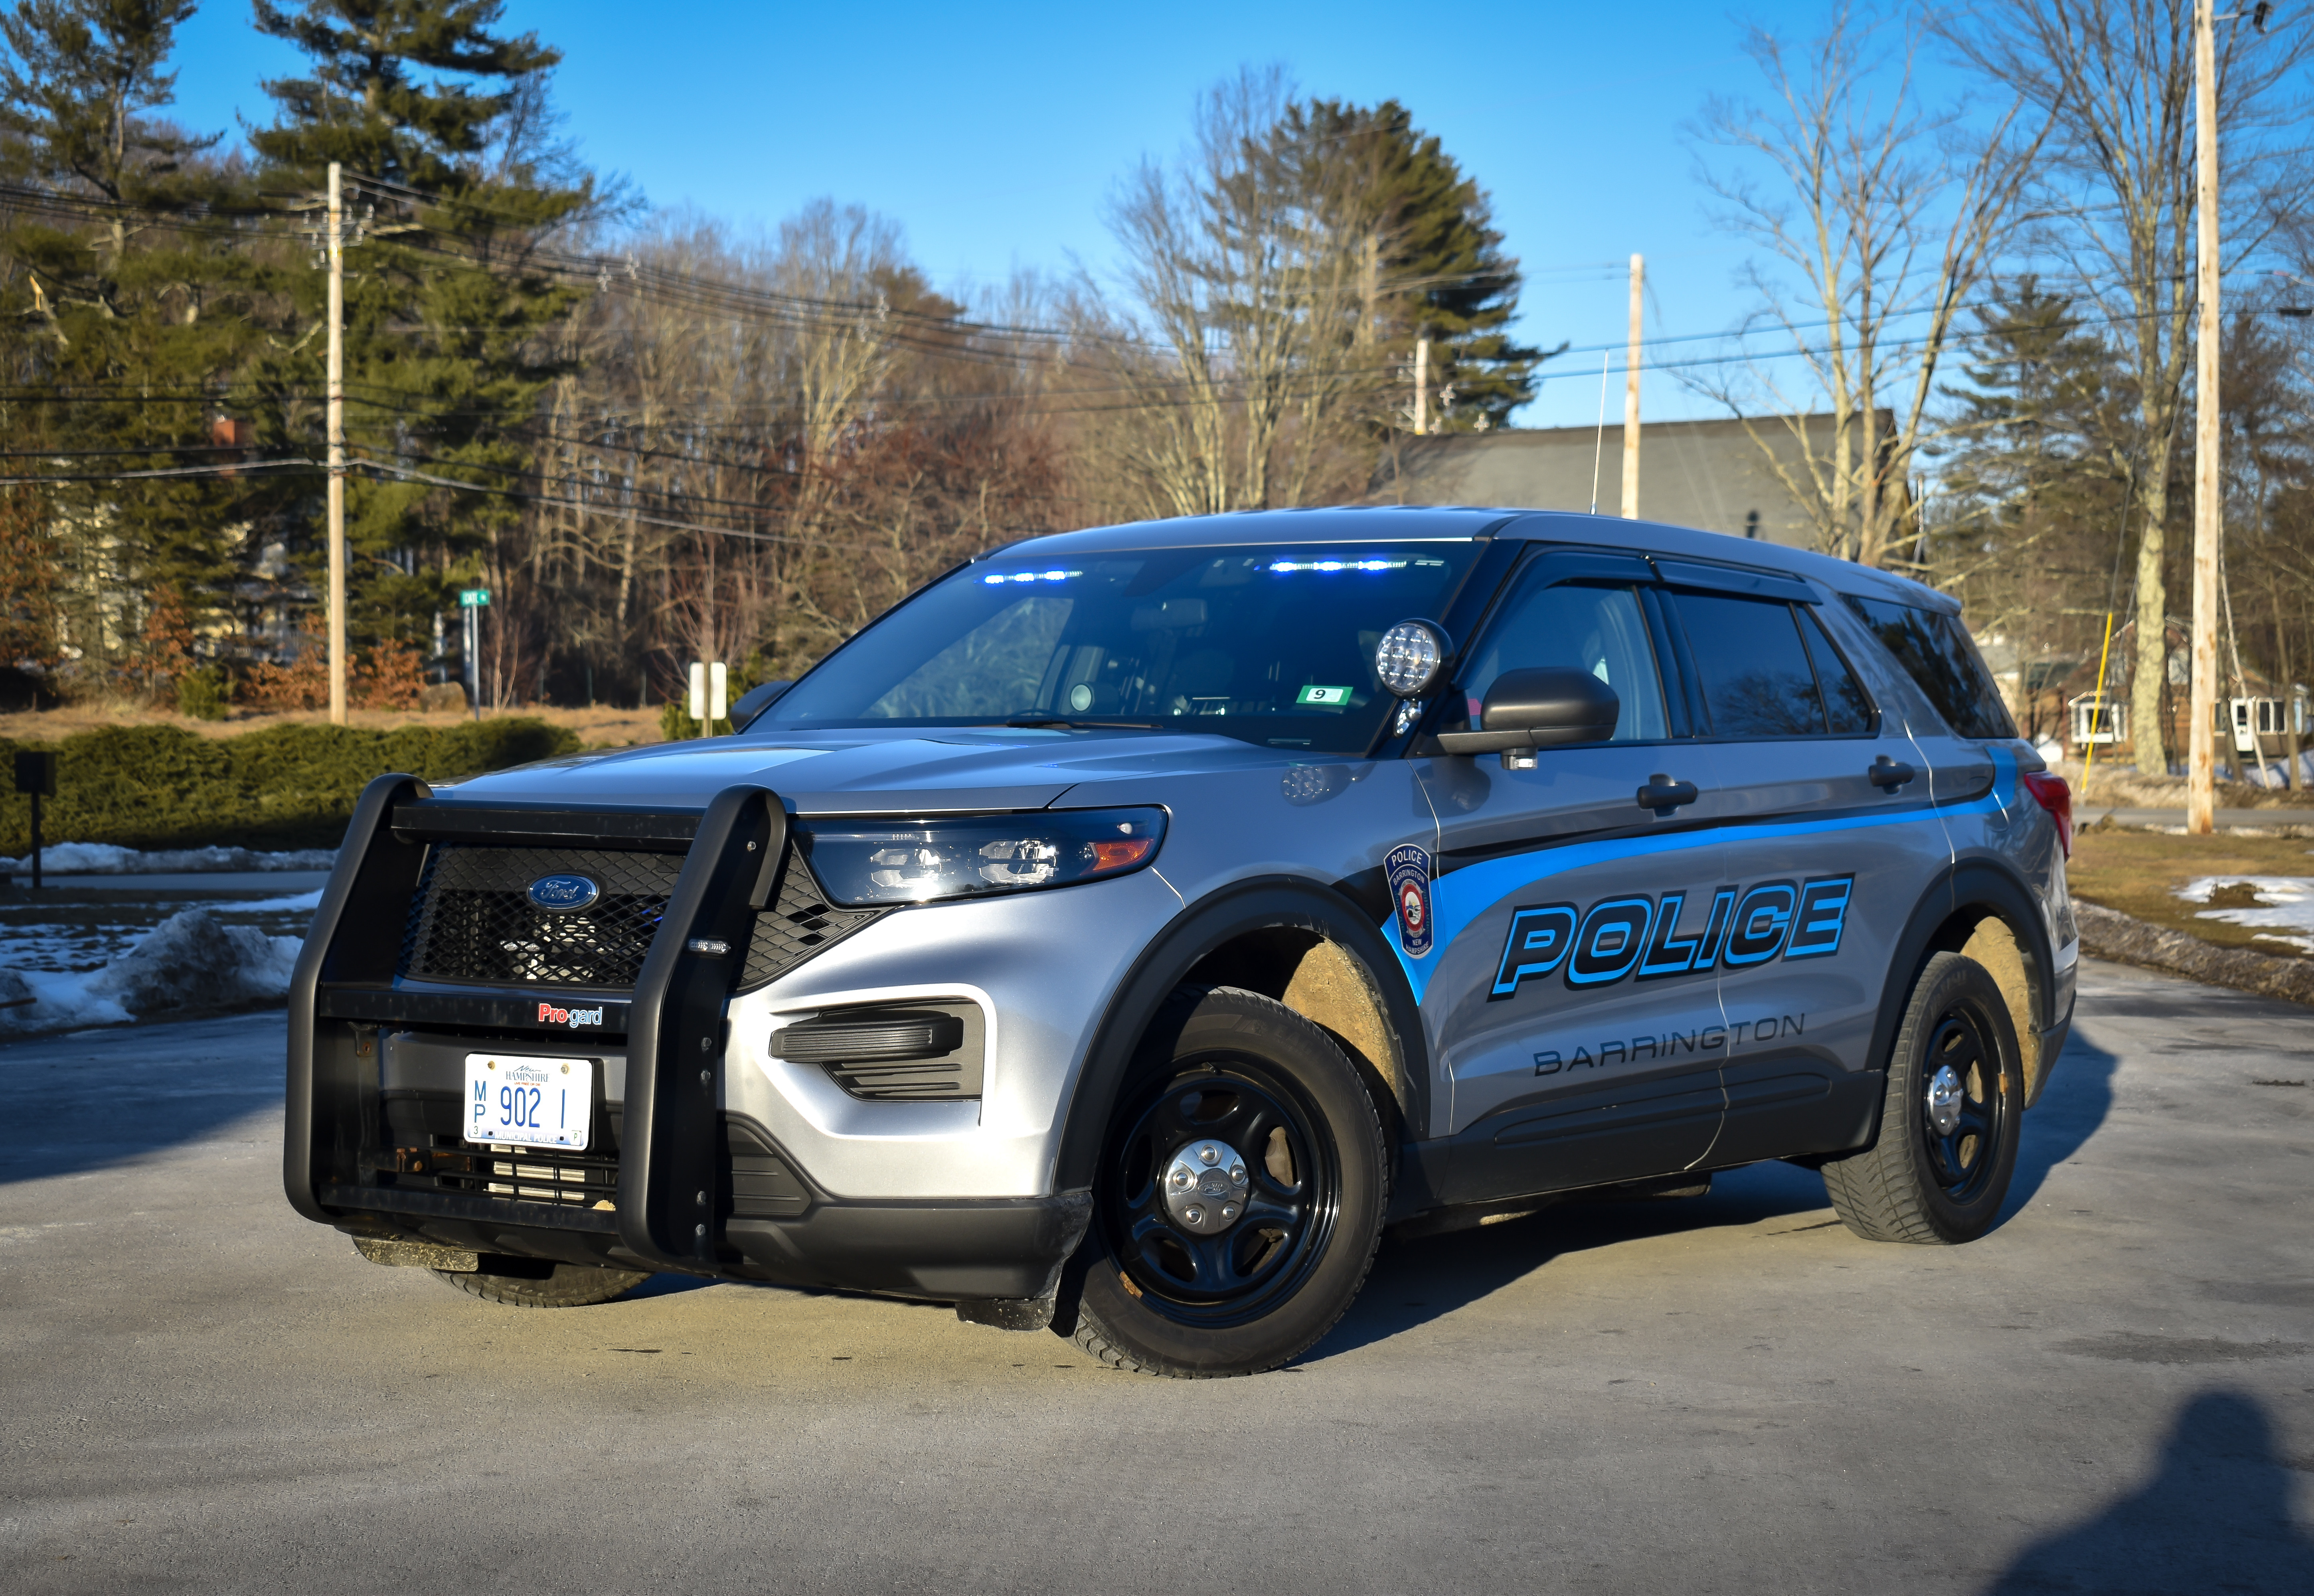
column 1123, row 930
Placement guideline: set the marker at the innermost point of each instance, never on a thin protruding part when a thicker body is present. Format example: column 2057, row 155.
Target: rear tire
column 554, row 1285
column 1194, row 1283
column 1949, row 1125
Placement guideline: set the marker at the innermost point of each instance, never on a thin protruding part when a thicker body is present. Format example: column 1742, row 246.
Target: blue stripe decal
column 1461, row 897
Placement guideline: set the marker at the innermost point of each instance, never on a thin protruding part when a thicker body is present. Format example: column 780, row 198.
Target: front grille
column 472, row 920
column 800, row 923
column 522, row 1173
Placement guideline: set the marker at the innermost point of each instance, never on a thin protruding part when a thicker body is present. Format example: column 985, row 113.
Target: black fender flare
column 1261, row 903
column 1971, row 884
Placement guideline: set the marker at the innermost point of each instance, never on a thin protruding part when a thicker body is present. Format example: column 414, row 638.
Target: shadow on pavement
column 1416, row 1281
column 87, row 1099
column 2215, row 1517
column 2077, row 1097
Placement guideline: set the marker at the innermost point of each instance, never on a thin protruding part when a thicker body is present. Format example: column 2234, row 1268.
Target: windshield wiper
column 1066, row 724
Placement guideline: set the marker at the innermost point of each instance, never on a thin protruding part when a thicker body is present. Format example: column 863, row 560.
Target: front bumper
column 943, row 1199
column 1001, row 1248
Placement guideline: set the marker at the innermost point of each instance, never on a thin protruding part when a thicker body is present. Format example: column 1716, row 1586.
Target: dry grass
column 2123, row 787
column 2139, row 872
column 600, row 726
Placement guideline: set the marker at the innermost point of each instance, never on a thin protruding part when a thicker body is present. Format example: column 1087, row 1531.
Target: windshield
column 1272, row 646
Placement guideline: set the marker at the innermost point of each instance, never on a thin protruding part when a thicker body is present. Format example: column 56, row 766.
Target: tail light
column 2053, row 794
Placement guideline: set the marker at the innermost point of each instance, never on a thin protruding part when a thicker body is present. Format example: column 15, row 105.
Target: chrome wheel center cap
column 1944, row 1100
column 1205, row 1187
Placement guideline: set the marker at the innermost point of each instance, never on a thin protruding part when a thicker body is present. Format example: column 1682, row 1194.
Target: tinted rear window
column 1936, row 651
column 1757, row 681
column 1843, row 694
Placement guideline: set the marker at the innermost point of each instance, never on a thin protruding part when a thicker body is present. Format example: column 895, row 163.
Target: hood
column 950, row 770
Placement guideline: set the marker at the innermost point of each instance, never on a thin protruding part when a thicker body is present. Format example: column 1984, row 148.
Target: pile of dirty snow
column 2285, row 903
column 192, row 960
column 103, row 859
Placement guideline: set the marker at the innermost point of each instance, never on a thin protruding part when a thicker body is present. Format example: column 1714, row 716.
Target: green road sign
column 475, row 598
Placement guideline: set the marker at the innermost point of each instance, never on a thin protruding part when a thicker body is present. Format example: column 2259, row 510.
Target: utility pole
column 1631, row 399
column 1421, row 383
column 336, row 395
column 2201, row 760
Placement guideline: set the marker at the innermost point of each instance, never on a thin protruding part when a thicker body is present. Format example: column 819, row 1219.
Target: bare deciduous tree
column 1876, row 216
column 2116, row 77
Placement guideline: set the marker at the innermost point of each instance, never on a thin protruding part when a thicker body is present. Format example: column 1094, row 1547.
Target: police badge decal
column 1410, row 888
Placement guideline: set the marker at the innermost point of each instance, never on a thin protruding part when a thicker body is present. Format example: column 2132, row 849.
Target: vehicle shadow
column 2072, row 1107
column 1418, row 1280
column 2214, row 1517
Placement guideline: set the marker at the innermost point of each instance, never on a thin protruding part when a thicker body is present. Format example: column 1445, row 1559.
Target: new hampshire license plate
column 515, row 1100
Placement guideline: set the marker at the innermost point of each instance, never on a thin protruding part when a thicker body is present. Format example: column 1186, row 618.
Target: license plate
column 516, row 1100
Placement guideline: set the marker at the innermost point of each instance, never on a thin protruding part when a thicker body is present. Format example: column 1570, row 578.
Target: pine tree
column 444, row 305
column 130, row 304
column 1440, row 266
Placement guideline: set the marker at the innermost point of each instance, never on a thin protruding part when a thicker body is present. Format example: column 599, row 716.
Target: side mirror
column 755, row 702
column 1540, row 709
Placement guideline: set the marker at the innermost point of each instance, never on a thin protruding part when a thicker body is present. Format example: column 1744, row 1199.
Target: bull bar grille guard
column 674, row 1018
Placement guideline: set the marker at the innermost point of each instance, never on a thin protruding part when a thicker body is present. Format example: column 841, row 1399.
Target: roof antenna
column 1600, row 441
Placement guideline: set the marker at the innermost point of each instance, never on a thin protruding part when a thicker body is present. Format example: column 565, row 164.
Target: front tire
column 1949, row 1125
column 1240, row 1198
column 543, row 1284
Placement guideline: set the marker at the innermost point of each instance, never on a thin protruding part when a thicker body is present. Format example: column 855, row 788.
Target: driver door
column 1574, row 1005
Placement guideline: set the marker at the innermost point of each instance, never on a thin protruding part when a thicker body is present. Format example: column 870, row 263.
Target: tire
column 543, row 1284
column 1920, row 1181
column 1163, row 1285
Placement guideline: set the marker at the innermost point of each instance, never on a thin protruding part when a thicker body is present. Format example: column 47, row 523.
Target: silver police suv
column 1123, row 930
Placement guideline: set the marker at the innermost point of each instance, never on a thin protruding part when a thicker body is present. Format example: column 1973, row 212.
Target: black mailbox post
column 36, row 774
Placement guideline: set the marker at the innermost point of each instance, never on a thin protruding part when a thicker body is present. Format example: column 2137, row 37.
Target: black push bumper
column 674, row 1207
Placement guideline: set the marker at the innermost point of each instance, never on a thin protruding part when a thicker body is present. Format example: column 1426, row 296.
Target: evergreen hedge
column 284, row 787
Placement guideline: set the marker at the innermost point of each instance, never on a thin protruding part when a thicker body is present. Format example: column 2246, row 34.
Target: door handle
column 1663, row 795
column 1888, row 775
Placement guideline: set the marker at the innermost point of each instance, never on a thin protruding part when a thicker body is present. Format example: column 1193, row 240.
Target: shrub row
column 284, row 787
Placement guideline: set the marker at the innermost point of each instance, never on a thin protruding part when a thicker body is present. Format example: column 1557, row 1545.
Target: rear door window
column 1936, row 651
column 1757, row 681
column 1844, row 702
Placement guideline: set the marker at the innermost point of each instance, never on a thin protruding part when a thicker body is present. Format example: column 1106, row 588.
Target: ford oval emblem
column 558, row 893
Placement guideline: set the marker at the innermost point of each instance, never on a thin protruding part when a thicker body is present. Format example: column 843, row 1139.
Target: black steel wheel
column 1951, row 1120
column 1240, row 1195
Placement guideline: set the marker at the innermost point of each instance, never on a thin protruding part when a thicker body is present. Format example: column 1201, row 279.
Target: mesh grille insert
column 475, row 921
column 800, row 923
column 472, row 920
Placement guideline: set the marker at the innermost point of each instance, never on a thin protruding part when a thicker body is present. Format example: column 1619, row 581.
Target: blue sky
column 992, row 134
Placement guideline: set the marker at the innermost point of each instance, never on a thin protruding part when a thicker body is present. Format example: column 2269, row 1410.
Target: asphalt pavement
column 2113, row 1392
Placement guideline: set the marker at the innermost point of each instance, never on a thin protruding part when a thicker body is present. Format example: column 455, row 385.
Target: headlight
column 917, row 862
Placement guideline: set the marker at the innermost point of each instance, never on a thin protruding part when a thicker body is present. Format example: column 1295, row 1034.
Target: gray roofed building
column 1707, row 474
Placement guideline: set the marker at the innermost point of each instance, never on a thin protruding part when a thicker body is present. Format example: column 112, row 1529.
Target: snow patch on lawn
column 104, row 859
column 2284, row 903
column 192, row 960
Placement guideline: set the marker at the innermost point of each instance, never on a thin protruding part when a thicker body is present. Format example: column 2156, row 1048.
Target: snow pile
column 190, row 961
column 103, row 859
column 2284, row 902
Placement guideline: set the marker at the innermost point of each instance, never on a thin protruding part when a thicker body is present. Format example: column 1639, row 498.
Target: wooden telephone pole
column 336, row 398
column 2201, row 762
column 1631, row 399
